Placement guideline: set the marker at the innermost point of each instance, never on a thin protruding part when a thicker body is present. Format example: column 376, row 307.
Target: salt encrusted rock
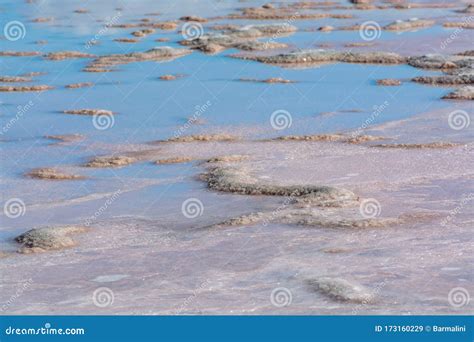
column 311, row 220
column 126, row 40
column 81, row 11
column 143, row 33
column 79, row 85
column 163, row 25
column 14, row 79
column 88, row 112
column 389, row 82
column 308, row 57
column 165, row 53
column 239, row 181
column 459, row 24
column 110, row 161
column 268, row 13
column 167, row 77
column 228, row 159
column 359, row 44
column 19, row 53
column 437, row 61
column 202, row 137
column 468, row 9
column 176, row 160
column 438, row 144
column 327, row 28
column 410, row 24
column 243, row 38
column 42, row 20
column 25, row 88
column 464, row 93
column 48, row 239
column 62, row 55
column 460, row 78
column 259, row 46
column 268, row 80
column 294, row 215
column 341, row 290
column 469, row 53
column 52, row 174
column 193, row 18
column 331, row 138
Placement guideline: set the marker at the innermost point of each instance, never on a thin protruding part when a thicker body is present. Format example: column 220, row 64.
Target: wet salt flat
column 219, row 193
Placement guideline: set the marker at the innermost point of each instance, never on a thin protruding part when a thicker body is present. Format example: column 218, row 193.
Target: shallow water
column 157, row 261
